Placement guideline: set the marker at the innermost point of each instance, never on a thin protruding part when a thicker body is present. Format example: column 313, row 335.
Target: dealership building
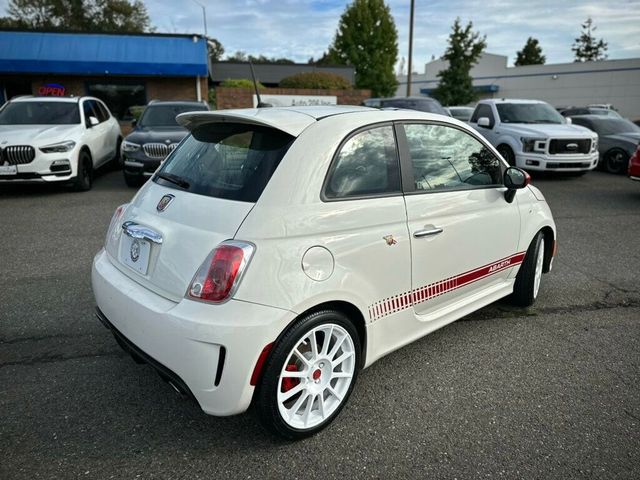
column 615, row 82
column 122, row 70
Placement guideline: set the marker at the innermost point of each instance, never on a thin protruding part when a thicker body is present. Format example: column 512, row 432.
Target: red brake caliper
column 289, row 383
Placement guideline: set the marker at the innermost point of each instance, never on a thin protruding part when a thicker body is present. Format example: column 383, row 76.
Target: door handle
column 134, row 230
column 431, row 230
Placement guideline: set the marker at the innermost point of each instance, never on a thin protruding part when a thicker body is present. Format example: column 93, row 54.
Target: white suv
column 56, row 139
column 278, row 251
column 532, row 135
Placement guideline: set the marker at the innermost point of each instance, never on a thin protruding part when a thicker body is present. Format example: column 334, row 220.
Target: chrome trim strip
column 134, row 230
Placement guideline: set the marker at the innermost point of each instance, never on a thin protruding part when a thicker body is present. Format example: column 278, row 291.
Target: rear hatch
column 198, row 198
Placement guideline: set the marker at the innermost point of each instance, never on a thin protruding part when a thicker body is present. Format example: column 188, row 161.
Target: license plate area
column 8, row 170
column 135, row 253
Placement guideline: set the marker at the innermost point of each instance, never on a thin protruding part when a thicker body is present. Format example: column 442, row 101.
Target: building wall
column 243, row 97
column 610, row 81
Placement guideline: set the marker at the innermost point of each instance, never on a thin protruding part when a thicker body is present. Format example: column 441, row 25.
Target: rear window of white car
column 226, row 160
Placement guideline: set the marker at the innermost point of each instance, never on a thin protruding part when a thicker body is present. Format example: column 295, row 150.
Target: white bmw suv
column 56, row 139
column 277, row 252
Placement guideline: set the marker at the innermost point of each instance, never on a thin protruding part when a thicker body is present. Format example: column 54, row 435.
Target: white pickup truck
column 530, row 134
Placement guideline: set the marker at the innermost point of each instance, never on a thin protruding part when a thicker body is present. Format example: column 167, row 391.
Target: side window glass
column 367, row 165
column 102, row 112
column 89, row 108
column 445, row 158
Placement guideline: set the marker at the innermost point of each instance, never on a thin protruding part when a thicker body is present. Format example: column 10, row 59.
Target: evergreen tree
column 531, row 54
column 465, row 47
column 367, row 39
column 586, row 47
column 78, row 15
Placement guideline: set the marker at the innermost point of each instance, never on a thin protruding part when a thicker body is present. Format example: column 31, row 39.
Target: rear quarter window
column 230, row 161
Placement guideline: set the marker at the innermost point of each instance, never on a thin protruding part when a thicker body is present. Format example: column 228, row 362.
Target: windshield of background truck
column 528, row 113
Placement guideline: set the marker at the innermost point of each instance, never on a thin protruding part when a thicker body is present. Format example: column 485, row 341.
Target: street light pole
column 410, row 49
column 204, row 17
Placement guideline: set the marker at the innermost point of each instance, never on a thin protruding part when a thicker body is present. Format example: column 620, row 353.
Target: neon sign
column 51, row 90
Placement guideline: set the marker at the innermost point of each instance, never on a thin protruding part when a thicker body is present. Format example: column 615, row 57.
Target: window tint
column 483, row 110
column 165, row 115
column 119, row 97
column 366, row 165
column 231, row 161
column 445, row 158
column 429, row 105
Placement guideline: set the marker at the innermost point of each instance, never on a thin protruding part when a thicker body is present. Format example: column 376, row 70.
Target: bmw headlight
column 130, row 146
column 533, row 144
column 58, row 147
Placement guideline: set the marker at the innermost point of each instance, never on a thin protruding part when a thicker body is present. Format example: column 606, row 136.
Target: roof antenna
column 255, row 85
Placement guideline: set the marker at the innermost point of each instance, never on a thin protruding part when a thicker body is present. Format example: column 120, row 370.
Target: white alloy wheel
column 538, row 272
column 316, row 376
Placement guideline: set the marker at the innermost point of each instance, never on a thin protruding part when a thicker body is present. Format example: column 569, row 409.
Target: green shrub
column 240, row 83
column 321, row 80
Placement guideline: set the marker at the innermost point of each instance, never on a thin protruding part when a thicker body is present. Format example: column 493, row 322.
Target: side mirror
column 134, row 122
column 93, row 121
column 514, row 179
column 569, row 121
column 484, row 122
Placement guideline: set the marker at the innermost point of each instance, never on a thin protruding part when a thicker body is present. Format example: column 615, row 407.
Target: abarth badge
column 164, row 202
column 134, row 251
column 389, row 239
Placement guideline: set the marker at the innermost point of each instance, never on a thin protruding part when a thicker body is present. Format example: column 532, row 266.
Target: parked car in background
column 634, row 165
column 605, row 112
column 617, row 140
column 421, row 104
column 532, row 135
column 154, row 136
column 461, row 113
column 279, row 251
column 372, row 102
column 56, row 140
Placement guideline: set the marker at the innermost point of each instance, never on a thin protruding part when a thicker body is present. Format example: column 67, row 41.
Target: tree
column 465, row 47
column 586, row 47
column 240, row 56
column 531, row 54
column 78, row 15
column 216, row 50
column 367, row 39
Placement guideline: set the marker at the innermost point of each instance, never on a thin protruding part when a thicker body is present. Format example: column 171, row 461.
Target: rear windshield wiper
column 175, row 179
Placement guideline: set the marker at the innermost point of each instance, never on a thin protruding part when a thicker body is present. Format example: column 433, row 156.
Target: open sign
column 51, row 90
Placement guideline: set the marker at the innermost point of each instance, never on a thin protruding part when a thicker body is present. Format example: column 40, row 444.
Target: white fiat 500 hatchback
column 277, row 252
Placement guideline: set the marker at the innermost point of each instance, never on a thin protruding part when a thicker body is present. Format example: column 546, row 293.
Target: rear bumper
column 557, row 163
column 207, row 351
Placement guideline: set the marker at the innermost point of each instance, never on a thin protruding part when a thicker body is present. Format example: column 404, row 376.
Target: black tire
column 83, row 180
column 524, row 291
column 133, row 181
column 507, row 154
column 616, row 161
column 270, row 385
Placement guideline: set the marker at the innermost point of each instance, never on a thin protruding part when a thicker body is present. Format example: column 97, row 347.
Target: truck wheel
column 507, row 154
column 616, row 161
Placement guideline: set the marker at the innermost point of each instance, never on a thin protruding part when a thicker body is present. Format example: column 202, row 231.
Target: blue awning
column 100, row 54
column 491, row 88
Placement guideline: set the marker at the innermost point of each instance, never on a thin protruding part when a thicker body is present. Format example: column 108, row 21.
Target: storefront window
column 119, row 97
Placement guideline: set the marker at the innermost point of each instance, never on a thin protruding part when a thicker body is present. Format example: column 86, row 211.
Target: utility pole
column 410, row 49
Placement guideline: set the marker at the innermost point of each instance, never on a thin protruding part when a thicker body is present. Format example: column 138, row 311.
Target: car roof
column 32, row 98
column 175, row 102
column 510, row 100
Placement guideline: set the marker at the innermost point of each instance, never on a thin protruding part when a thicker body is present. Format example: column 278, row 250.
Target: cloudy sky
column 299, row 29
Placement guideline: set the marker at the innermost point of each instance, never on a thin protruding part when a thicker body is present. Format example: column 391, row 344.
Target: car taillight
column 113, row 234
column 220, row 274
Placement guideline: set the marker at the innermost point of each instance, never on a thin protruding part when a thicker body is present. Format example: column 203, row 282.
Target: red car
column 634, row 165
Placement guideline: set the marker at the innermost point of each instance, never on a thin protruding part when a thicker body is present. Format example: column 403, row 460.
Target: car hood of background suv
column 551, row 130
column 38, row 135
column 143, row 135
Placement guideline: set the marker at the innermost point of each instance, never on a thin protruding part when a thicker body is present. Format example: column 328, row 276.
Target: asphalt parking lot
column 549, row 392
